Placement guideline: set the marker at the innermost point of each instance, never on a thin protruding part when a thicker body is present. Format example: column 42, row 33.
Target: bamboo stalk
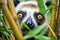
column 11, row 21
column 11, row 35
column 13, row 12
column 6, row 22
column 53, row 18
column 58, row 20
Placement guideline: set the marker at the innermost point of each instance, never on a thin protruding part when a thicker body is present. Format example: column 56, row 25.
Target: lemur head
column 28, row 12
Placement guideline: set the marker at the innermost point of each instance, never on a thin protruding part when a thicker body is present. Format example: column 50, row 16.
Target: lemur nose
column 29, row 22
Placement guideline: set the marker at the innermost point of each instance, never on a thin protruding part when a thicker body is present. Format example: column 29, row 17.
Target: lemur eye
column 39, row 17
column 21, row 14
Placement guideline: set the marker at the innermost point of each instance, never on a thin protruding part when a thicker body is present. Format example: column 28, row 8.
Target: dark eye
column 21, row 14
column 38, row 15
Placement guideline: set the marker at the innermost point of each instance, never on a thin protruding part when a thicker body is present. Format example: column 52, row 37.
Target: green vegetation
column 37, row 33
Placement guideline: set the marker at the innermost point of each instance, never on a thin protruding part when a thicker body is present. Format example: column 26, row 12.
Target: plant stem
column 16, row 31
column 12, row 10
column 58, row 20
column 11, row 35
column 53, row 18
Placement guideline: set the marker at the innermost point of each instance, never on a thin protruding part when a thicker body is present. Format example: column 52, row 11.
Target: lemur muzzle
column 29, row 22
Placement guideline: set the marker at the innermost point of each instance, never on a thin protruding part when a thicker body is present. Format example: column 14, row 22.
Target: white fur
column 18, row 7
column 29, row 11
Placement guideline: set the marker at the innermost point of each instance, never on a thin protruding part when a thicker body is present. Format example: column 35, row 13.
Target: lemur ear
column 48, row 3
column 16, row 2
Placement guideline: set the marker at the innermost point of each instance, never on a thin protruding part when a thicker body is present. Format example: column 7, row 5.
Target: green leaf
column 6, row 36
column 47, row 16
column 49, row 8
column 44, row 31
column 48, row 13
column 39, row 37
column 2, row 29
column 41, row 6
column 34, row 32
column 8, row 29
column 26, row 26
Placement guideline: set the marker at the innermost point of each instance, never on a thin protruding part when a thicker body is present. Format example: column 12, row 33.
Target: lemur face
column 28, row 12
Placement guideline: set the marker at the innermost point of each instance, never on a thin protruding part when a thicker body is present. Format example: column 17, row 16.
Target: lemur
column 28, row 12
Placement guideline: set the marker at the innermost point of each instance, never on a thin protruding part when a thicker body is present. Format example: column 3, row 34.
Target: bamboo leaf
column 11, row 21
column 43, row 31
column 39, row 37
column 41, row 6
column 6, row 36
column 34, row 32
column 26, row 26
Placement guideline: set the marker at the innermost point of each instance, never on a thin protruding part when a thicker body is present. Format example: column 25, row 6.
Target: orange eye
column 40, row 17
column 20, row 15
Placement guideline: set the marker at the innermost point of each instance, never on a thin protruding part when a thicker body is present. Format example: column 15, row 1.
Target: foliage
column 4, row 30
column 34, row 32
column 38, row 32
